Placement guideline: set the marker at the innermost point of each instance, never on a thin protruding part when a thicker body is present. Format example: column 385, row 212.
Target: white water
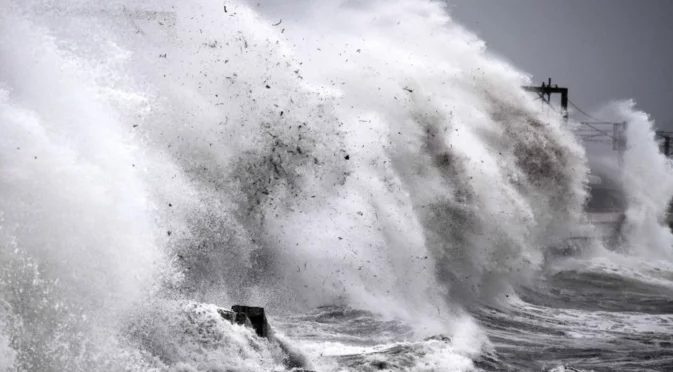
column 648, row 181
column 646, row 178
column 377, row 158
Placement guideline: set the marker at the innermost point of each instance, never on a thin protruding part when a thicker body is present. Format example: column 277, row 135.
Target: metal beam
column 546, row 90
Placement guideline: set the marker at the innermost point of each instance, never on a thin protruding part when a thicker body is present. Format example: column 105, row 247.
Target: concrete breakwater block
column 255, row 318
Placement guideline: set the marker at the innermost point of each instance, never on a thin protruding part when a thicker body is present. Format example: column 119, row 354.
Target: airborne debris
column 408, row 89
column 279, row 22
column 225, row 8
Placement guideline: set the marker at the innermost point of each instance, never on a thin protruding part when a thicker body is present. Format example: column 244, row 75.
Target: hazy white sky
column 601, row 49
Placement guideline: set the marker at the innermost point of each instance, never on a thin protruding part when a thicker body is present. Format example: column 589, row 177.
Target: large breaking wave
column 377, row 158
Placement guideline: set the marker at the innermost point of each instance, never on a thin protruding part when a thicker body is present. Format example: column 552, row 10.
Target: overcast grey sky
column 601, row 49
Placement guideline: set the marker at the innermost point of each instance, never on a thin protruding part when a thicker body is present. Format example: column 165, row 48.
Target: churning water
column 363, row 169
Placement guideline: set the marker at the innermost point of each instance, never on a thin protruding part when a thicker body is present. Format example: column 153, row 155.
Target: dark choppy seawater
column 591, row 317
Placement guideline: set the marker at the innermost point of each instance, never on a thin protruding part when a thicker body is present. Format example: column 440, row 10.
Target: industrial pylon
column 545, row 92
column 595, row 133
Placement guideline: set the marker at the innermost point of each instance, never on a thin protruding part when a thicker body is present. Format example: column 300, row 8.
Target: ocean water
column 365, row 170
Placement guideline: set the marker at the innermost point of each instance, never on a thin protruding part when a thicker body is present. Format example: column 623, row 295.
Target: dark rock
column 235, row 318
column 257, row 318
column 248, row 316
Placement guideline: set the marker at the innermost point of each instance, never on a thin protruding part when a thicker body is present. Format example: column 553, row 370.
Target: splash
column 647, row 182
column 379, row 159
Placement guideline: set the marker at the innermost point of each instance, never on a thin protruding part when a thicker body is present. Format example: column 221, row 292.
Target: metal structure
column 590, row 131
column 604, row 208
column 545, row 92
column 604, row 132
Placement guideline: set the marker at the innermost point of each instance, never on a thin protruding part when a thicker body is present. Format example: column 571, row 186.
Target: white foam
column 646, row 177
